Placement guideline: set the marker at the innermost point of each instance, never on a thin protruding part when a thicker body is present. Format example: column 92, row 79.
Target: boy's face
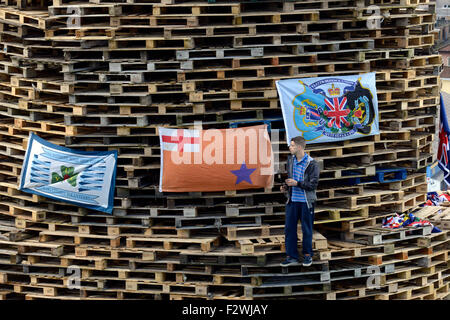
column 294, row 148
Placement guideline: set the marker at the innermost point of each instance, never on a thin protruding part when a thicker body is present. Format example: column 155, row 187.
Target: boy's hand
column 291, row 182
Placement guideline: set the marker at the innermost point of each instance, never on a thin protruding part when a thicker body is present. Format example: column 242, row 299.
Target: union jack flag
column 336, row 112
column 443, row 149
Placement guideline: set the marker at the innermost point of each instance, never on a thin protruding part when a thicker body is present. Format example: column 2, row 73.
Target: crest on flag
column 215, row 159
column 328, row 109
column 83, row 178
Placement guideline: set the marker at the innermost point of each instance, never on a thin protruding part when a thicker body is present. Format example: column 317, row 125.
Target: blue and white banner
column 444, row 147
column 329, row 109
column 84, row 178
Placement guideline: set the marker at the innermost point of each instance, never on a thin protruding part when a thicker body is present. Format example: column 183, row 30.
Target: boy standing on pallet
column 300, row 189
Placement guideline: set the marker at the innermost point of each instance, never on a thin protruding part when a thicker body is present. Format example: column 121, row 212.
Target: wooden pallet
column 175, row 243
column 439, row 216
column 382, row 235
column 249, row 246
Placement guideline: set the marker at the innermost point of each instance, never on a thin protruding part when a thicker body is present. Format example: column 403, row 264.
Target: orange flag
column 215, row 159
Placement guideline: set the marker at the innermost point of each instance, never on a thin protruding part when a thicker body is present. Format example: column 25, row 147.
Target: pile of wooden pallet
column 103, row 75
column 438, row 216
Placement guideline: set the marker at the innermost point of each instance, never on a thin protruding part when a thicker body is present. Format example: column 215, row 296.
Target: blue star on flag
column 243, row 174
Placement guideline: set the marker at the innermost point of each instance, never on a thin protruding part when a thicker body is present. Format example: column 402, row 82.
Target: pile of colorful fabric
column 406, row 220
column 436, row 199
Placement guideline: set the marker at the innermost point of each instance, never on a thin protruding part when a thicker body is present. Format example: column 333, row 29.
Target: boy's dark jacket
column 310, row 179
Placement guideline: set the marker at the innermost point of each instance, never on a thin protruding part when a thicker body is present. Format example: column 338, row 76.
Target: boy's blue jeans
column 294, row 212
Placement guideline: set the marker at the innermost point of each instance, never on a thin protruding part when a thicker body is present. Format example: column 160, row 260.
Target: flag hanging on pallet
column 326, row 109
column 86, row 179
column 216, row 159
column 443, row 148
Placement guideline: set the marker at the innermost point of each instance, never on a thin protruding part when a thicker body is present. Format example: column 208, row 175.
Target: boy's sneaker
column 307, row 261
column 289, row 262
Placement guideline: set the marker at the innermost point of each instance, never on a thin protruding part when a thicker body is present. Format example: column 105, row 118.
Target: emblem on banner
column 333, row 107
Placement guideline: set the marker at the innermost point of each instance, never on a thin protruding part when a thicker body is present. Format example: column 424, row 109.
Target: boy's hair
column 300, row 141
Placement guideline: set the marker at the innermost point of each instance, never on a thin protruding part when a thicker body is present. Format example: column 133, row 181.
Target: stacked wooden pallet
column 438, row 216
column 102, row 75
column 402, row 264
